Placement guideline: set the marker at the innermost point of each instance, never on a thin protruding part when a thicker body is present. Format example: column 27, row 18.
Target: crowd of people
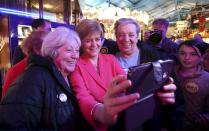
column 70, row 80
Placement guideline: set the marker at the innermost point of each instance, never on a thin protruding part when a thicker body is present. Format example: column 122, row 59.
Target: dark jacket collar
column 47, row 63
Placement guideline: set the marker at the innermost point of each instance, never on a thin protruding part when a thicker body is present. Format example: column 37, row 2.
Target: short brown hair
column 86, row 27
column 33, row 42
column 161, row 21
column 38, row 23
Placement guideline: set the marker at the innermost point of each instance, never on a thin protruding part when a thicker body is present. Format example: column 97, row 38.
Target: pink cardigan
column 90, row 87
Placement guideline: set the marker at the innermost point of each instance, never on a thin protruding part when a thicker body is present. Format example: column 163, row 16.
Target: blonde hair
column 56, row 39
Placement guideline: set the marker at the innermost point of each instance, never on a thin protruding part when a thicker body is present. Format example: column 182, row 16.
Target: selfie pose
column 99, row 81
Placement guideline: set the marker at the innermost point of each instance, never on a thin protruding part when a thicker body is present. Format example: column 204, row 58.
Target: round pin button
column 63, row 97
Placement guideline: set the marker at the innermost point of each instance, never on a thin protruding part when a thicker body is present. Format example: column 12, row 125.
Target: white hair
column 56, row 39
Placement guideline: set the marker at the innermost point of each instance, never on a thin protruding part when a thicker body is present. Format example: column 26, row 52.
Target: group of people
column 66, row 83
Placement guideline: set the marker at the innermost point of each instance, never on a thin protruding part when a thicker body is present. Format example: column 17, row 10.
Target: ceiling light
column 28, row 14
column 48, row 6
column 36, row 6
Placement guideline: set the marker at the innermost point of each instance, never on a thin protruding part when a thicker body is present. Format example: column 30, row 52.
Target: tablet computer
column 146, row 79
column 149, row 77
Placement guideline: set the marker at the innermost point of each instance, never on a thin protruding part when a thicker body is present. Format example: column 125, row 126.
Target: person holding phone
column 131, row 53
column 99, row 81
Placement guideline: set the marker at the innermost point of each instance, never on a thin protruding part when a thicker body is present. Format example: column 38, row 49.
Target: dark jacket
column 18, row 55
column 195, row 88
column 109, row 47
column 171, row 116
column 169, row 46
column 150, row 53
column 40, row 99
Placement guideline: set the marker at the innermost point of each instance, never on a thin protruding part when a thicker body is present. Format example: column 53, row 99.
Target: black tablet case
column 146, row 79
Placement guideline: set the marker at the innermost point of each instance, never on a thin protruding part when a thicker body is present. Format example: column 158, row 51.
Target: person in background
column 166, row 44
column 42, row 98
column 146, row 35
column 99, row 77
column 109, row 46
column 203, row 46
column 194, row 83
column 206, row 61
column 154, row 41
column 41, row 25
column 178, row 41
column 37, row 25
column 31, row 45
column 198, row 37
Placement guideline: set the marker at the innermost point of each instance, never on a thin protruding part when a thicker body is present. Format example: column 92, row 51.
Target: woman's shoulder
column 108, row 57
column 34, row 74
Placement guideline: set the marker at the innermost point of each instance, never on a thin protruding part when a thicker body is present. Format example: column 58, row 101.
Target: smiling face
column 127, row 38
column 67, row 56
column 188, row 57
column 91, row 45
